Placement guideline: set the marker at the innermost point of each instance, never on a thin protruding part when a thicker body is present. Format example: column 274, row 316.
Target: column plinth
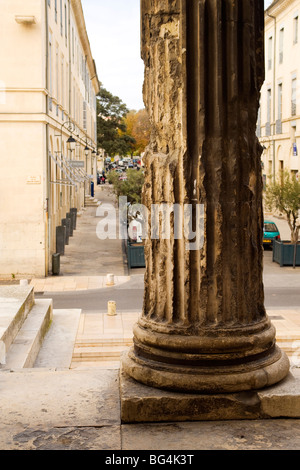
column 204, row 327
column 218, row 362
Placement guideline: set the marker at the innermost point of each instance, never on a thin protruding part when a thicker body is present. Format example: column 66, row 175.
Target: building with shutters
column 278, row 126
column 48, row 130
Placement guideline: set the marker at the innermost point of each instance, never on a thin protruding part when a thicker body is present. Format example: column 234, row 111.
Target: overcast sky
column 113, row 27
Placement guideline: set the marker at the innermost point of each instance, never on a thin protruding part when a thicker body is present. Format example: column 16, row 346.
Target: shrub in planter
column 283, row 195
column 286, row 254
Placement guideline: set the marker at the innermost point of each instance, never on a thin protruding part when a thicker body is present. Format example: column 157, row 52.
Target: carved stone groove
column 204, row 326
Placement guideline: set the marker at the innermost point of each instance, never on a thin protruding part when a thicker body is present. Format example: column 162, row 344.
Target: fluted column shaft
column 204, row 325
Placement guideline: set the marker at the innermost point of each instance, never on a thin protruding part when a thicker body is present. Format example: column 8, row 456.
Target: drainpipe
column 70, row 76
column 274, row 78
column 48, row 222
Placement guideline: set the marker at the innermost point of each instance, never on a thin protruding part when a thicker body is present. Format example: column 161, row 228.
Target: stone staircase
column 24, row 322
column 291, row 345
column 90, row 201
column 101, row 340
column 103, row 353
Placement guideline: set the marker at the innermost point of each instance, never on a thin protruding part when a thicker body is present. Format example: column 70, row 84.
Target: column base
column 143, row 404
column 252, row 375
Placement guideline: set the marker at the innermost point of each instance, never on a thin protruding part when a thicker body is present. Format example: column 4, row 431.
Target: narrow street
column 82, row 285
column 85, row 265
column 88, row 260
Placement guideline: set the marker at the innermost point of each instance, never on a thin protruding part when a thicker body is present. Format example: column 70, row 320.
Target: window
column 270, row 167
column 279, row 110
column 84, row 116
column 294, row 97
column 61, row 18
column 57, row 75
column 269, row 99
column 270, row 49
column 279, row 101
column 50, row 72
column 258, row 124
column 73, row 46
column 268, row 123
column 66, row 22
column 281, row 36
column 295, row 29
column 62, row 89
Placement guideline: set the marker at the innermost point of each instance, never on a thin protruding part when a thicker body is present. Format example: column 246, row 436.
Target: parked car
column 271, row 233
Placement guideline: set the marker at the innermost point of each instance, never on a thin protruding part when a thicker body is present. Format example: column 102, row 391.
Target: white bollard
column 110, row 280
column 111, row 308
column 23, row 282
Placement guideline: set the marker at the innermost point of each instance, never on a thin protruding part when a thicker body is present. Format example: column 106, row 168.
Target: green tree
column 131, row 187
column 284, row 195
column 111, row 128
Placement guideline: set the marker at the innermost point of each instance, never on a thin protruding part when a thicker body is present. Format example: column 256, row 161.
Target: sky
column 113, row 28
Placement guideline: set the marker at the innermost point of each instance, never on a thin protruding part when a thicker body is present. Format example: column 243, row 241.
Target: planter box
column 135, row 255
column 283, row 253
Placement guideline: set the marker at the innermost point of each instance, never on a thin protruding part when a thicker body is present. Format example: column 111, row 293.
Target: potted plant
column 283, row 195
column 131, row 187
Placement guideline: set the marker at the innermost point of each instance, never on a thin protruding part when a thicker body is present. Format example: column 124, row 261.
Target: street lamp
column 86, row 150
column 72, row 143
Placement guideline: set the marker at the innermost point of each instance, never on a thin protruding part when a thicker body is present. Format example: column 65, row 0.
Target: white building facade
column 48, row 88
column 278, row 124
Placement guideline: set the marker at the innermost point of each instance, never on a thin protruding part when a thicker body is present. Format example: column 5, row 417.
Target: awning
column 73, row 175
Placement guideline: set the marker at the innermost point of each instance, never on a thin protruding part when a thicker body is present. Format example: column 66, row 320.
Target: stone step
column 100, row 353
column 92, row 203
column 15, row 304
column 100, row 342
column 82, row 365
column 290, row 338
column 26, row 346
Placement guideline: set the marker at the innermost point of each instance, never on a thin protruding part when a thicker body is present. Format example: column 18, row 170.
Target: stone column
column 204, row 327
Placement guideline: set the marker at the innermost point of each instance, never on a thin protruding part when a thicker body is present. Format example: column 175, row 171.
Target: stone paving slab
column 280, row 434
column 103, row 438
column 42, row 408
column 74, row 283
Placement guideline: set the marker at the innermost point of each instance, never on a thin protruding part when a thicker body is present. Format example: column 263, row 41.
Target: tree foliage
column 131, row 187
column 284, row 195
column 112, row 133
column 138, row 127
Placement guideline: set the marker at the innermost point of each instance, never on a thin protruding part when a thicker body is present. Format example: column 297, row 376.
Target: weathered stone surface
column 141, row 404
column 106, row 438
column 204, row 326
column 279, row 434
column 41, row 407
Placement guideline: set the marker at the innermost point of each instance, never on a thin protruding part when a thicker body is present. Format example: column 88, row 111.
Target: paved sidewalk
column 74, row 283
column 87, row 259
